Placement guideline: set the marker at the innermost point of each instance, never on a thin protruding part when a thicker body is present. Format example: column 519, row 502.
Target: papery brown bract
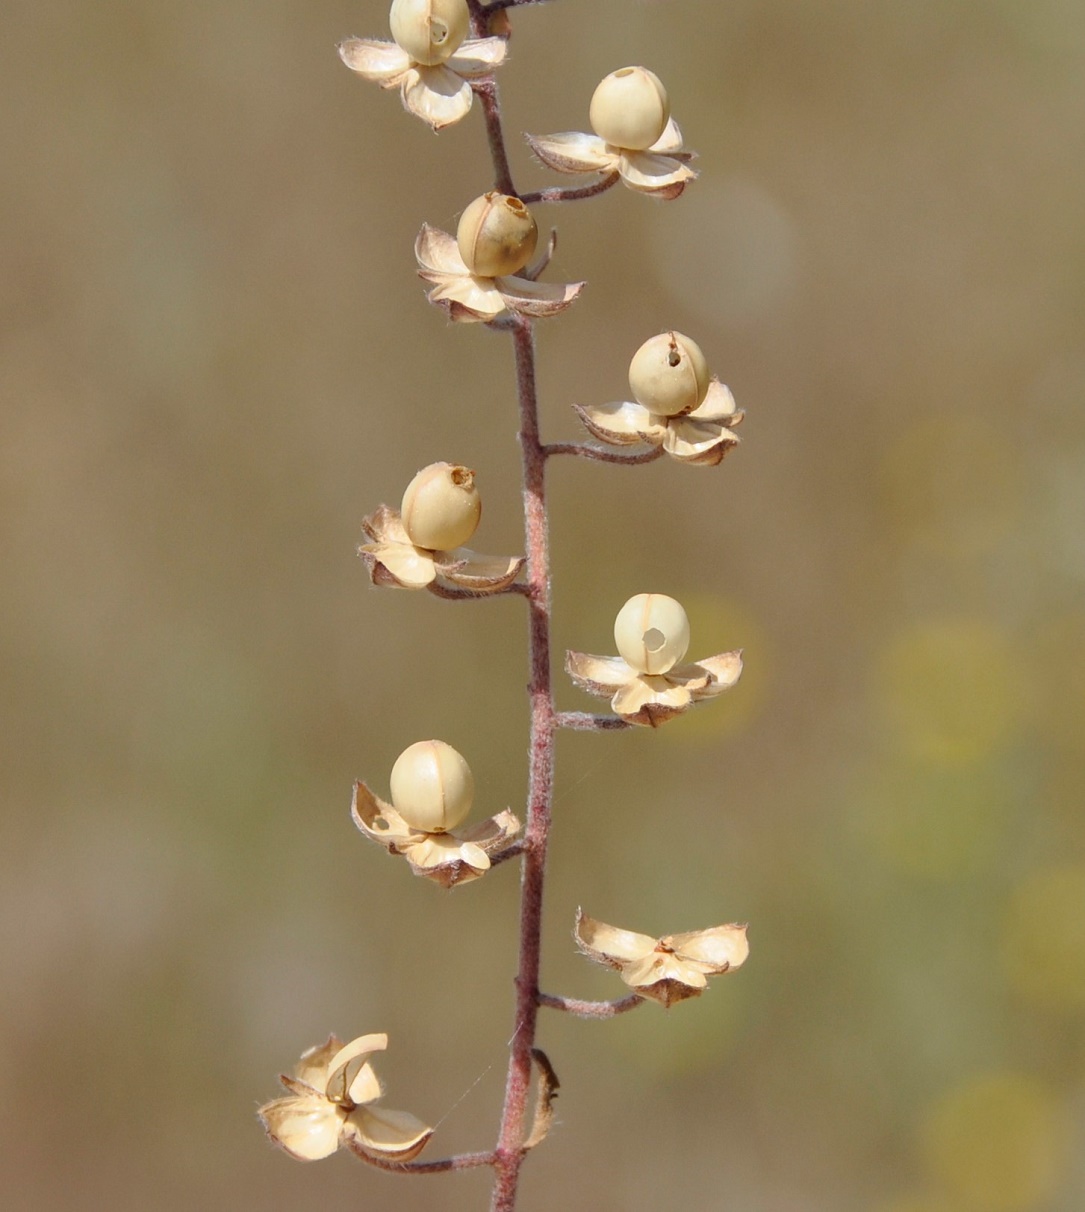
column 329, row 1106
column 468, row 298
column 451, row 857
column 652, row 699
column 667, row 969
column 440, row 94
column 393, row 560
column 662, row 171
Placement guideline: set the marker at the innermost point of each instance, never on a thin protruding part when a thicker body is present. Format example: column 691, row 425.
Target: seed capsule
column 669, row 374
column 652, row 633
column 432, row 786
column 430, row 31
column 496, row 235
column 630, row 108
column 441, row 507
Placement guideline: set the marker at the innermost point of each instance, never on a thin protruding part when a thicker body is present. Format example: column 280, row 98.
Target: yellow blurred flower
column 997, row 1143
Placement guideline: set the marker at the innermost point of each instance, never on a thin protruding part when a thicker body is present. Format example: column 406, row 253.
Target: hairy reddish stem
column 583, row 721
column 513, row 1141
column 495, row 6
column 582, row 1009
column 460, row 1161
column 573, row 193
column 583, row 450
column 470, row 595
column 509, row 1154
column 486, row 91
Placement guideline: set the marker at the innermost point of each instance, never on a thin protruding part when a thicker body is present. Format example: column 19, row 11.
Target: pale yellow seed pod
column 652, row 633
column 630, row 108
column 430, row 31
column 669, row 374
column 441, row 507
column 432, row 786
column 496, row 235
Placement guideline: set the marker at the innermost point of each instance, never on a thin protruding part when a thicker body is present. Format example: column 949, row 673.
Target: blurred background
column 215, row 359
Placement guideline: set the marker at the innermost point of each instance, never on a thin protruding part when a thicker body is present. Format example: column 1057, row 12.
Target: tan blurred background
column 215, row 359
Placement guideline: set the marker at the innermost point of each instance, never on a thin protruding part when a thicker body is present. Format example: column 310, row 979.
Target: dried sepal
column 467, row 569
column 437, row 86
column 468, row 297
column 351, row 1080
column 652, row 699
column 702, row 436
column 667, row 969
column 380, row 1132
column 701, row 443
column 393, row 560
column 573, row 151
column 661, row 170
column 621, row 423
column 437, row 95
column 478, row 57
column 598, row 675
column 382, row 63
column 305, row 1126
column 546, row 1090
column 329, row 1105
column 448, row 858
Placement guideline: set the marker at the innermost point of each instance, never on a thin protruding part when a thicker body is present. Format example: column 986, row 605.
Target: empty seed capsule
column 496, row 235
column 669, row 375
column 652, row 633
column 430, row 31
column 441, row 507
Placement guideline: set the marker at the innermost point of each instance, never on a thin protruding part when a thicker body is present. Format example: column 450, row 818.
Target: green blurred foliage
column 215, row 359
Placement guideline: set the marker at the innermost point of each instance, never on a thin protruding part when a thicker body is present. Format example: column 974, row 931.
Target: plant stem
column 582, row 1009
column 583, row 451
column 512, row 1141
column 486, row 91
column 583, row 721
column 461, row 1161
column 470, row 595
column 496, row 6
column 557, row 193
column 509, row 1153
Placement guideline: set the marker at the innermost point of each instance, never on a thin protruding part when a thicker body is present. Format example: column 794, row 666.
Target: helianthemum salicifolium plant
column 443, row 56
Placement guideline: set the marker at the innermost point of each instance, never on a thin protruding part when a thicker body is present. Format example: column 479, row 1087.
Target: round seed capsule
column 630, row 108
column 652, row 633
column 432, row 786
column 496, row 235
column 430, row 31
column 669, row 374
column 441, row 507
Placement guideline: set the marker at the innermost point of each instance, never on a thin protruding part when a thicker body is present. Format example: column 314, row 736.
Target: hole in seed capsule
column 438, row 32
column 654, row 639
column 623, row 71
column 673, row 358
column 515, row 204
column 461, row 476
